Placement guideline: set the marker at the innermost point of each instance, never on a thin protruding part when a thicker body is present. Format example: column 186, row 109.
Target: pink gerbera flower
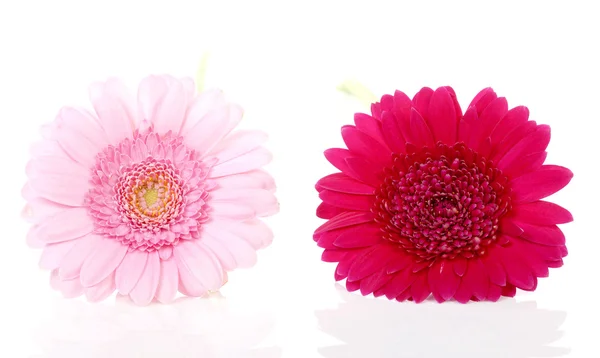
column 433, row 202
column 148, row 198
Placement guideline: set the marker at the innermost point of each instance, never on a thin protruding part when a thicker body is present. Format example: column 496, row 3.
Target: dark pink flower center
column 442, row 202
column 149, row 191
column 149, row 194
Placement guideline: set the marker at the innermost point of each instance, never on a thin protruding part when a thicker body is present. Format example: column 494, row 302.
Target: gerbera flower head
column 150, row 196
column 431, row 201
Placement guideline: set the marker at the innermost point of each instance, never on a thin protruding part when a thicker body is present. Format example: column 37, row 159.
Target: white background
column 282, row 61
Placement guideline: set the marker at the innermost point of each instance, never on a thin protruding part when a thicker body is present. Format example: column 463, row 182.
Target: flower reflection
column 207, row 328
column 379, row 328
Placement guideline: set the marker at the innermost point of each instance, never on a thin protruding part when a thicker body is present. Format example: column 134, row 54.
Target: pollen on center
column 151, row 196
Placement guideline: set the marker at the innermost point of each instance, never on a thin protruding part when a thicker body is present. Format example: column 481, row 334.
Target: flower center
column 442, row 202
column 149, row 195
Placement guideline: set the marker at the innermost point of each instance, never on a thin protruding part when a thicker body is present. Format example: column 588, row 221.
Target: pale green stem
column 357, row 90
column 201, row 72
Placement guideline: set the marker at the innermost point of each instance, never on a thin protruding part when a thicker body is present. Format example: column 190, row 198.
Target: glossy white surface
column 282, row 61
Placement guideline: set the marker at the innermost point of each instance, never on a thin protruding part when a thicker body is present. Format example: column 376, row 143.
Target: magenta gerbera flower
column 431, row 201
column 148, row 198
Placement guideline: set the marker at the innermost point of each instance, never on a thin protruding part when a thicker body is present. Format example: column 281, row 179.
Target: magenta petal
column 544, row 235
column 420, row 288
column 337, row 157
column 542, row 213
column 483, row 99
column 421, row 100
column 460, row 266
column 392, row 132
column 495, row 270
column 345, row 219
column 420, row 133
column 511, row 120
column 364, row 170
column 373, row 282
column 448, row 280
column 401, row 282
column 326, row 211
column 441, row 117
column 373, row 260
column 362, row 145
column 539, row 184
column 347, row 201
column 342, row 183
column 517, row 271
column 533, row 143
column 361, row 236
column 369, row 126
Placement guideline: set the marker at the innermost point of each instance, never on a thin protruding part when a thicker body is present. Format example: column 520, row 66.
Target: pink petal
column 253, row 179
column 68, row 288
column 220, row 250
column 62, row 188
column 360, row 144
column 113, row 105
column 238, row 143
column 163, row 102
column 243, row 253
column 541, row 213
column 252, row 160
column 201, row 263
column 347, row 201
column 71, row 264
column 39, row 209
column 33, row 238
column 47, row 165
column 441, row 117
column 165, row 252
column 255, row 232
column 130, row 270
column 340, row 182
column 66, row 225
column 145, row 289
column 420, row 133
column 401, row 281
column 107, row 257
column 539, row 184
column 167, row 283
column 78, row 147
column 230, row 210
column 84, row 124
column 345, row 219
column 205, row 103
column 101, row 290
column 189, row 285
column 53, row 254
column 213, row 128
column 261, row 201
